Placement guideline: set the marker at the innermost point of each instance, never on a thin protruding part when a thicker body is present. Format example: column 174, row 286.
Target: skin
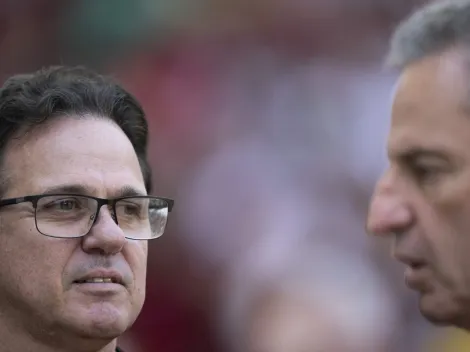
column 45, row 311
column 423, row 198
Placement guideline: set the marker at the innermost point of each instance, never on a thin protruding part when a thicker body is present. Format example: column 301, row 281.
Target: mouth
column 101, row 277
column 417, row 277
column 416, row 265
column 411, row 261
column 98, row 280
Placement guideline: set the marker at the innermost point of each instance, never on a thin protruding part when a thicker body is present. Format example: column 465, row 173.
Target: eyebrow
column 69, row 188
column 81, row 189
column 129, row 191
column 418, row 152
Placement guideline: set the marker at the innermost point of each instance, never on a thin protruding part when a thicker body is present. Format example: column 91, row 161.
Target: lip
column 408, row 259
column 116, row 277
column 416, row 278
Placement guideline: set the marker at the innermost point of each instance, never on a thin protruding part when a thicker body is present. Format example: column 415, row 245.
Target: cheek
column 450, row 253
column 137, row 258
column 448, row 229
column 36, row 259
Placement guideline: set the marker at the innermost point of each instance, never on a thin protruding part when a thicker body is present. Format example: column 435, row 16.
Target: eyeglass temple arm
column 11, row 201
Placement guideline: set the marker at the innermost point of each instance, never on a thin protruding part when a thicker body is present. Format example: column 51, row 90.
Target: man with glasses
column 75, row 211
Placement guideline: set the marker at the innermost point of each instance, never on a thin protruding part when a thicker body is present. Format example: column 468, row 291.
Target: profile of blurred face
column 423, row 198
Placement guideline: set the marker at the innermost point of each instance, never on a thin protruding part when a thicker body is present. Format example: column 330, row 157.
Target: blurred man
column 423, row 198
column 75, row 214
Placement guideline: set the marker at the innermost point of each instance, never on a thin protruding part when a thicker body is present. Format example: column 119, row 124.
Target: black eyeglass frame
column 34, row 199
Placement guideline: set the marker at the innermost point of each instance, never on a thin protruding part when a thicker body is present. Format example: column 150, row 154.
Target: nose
column 389, row 211
column 105, row 236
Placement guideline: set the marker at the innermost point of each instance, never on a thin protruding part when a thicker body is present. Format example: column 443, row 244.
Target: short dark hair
column 28, row 101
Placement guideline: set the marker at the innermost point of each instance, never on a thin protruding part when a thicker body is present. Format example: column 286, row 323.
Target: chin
column 102, row 321
column 441, row 311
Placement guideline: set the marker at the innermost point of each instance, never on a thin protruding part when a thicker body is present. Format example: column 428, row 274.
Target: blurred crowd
column 268, row 124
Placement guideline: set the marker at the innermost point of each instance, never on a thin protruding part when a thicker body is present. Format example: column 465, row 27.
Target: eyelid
column 127, row 201
column 55, row 199
column 430, row 163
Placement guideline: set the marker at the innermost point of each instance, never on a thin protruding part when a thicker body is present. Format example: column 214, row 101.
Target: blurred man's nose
column 388, row 210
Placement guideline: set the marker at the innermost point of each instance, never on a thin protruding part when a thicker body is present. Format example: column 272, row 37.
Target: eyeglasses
column 71, row 215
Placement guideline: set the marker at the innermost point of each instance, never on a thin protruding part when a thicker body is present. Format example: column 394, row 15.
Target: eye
column 426, row 174
column 66, row 205
column 63, row 205
column 128, row 208
column 131, row 209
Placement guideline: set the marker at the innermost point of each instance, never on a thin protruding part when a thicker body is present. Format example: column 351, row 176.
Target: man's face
column 38, row 274
column 423, row 198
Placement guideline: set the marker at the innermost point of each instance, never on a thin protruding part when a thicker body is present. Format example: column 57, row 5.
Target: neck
column 14, row 339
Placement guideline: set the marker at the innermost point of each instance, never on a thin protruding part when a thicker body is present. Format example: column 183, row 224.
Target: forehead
column 431, row 107
column 89, row 151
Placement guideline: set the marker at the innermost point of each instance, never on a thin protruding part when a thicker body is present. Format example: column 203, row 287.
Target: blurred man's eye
column 425, row 174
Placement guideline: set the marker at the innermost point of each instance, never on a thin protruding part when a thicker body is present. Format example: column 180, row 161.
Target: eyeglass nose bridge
column 100, row 202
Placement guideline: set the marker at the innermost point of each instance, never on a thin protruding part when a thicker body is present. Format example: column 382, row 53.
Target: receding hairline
column 430, row 30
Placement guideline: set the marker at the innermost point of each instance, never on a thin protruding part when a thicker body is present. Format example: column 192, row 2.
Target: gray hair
column 433, row 28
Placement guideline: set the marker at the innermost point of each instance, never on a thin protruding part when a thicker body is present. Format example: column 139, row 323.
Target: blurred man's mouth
column 417, row 277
